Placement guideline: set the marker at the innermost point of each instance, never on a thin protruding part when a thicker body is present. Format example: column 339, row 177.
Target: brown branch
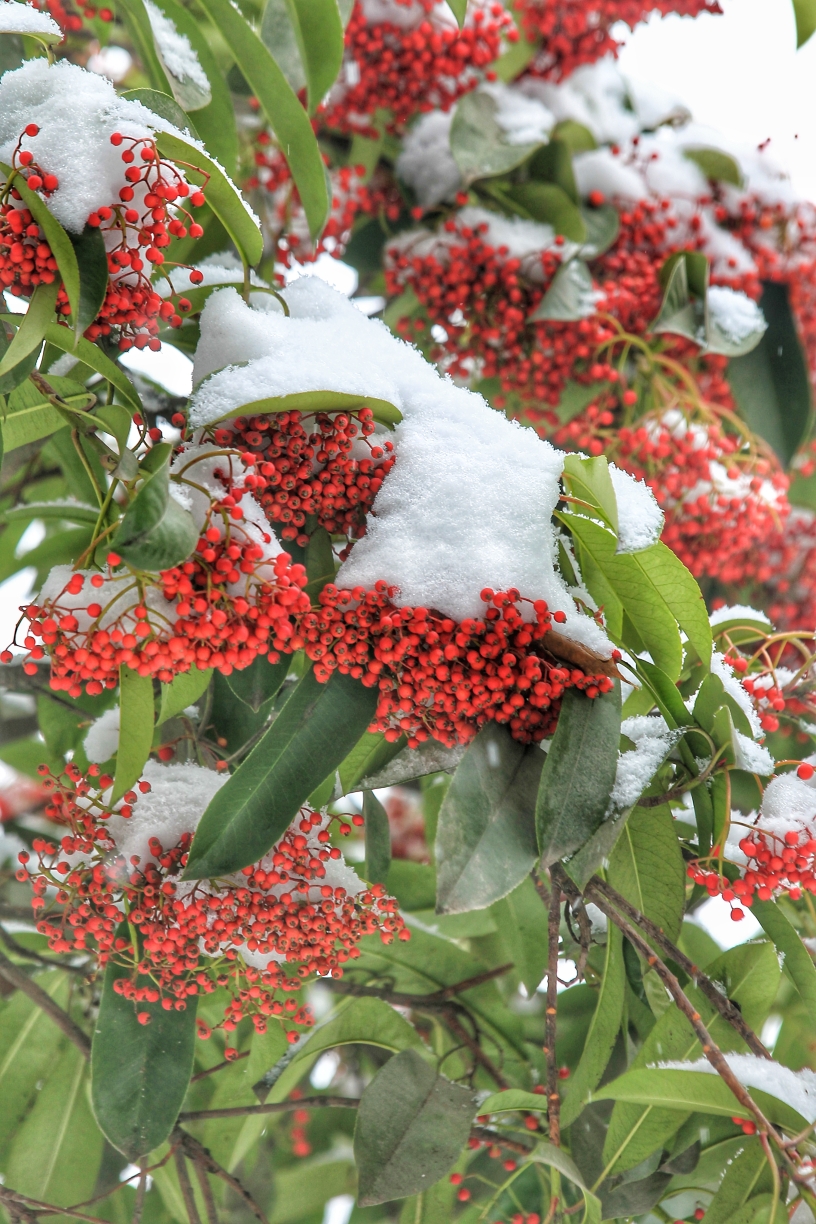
column 186, row 1187
column 28, row 954
column 553, row 1096
column 206, row 1192
column 485, row 1135
column 450, row 1016
column 218, row 1067
column 12, row 973
column 728, row 1010
column 24, row 1209
column 247, row 1111
column 202, row 1158
column 437, row 999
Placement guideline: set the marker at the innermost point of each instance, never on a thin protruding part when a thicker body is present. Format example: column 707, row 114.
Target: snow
column 177, row 54
column 16, row 18
column 737, row 612
column 426, row 164
column 753, row 757
column 735, row 314
column 102, row 739
column 600, row 170
column 732, row 686
column 177, row 280
column 522, row 119
column 640, row 519
column 795, row 1088
column 174, row 805
column 469, row 501
column 789, row 801
column 636, row 768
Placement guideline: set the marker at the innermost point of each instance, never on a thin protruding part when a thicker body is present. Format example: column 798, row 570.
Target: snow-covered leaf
column 479, row 146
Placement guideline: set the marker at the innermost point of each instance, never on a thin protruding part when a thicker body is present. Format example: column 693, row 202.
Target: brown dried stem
column 190, row 1205
column 202, row 1158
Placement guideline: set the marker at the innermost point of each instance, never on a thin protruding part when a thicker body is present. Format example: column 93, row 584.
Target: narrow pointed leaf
column 805, row 14
column 164, row 106
column 317, row 727
column 377, row 839
column 603, row 1031
column 798, row 961
column 259, row 682
column 32, row 330
column 30, row 415
column 60, row 243
column 91, row 355
column 92, row 261
column 321, row 38
column 156, row 532
column 571, row 295
column 479, row 146
column 135, row 729
column 281, row 36
column 182, row 692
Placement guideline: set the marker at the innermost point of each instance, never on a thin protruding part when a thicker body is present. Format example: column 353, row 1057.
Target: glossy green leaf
column 182, row 692
column 771, row 384
column 317, row 727
column 603, row 1032
column 575, row 397
column 282, row 108
column 684, row 277
column 805, row 14
column 41, row 36
column 798, row 962
column 553, row 164
column 549, row 203
column 521, row 918
column 317, row 401
column 411, row 1126
column 589, row 480
column 578, row 774
column 155, row 533
column 60, row 243
column 279, row 34
column 91, row 355
column 647, row 868
column 92, row 262
column 135, row 729
column 695, row 1090
column 370, row 754
column 57, row 1151
column 459, row 10
column 485, row 838
column 320, row 562
column 479, row 146
column 602, row 226
column 134, row 15
column 258, row 683
column 377, row 839
column 31, row 332
column 715, row 164
column 576, row 136
column 571, row 295
column 190, row 93
column 30, row 414
column 140, row 1072
column 747, row 1175
column 320, row 36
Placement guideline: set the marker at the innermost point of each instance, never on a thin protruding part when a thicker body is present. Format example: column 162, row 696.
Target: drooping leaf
column 377, row 839
column 485, row 839
column 92, row 262
column 134, row 15
column 647, row 868
column 805, row 14
column 91, row 355
column 320, row 34
column 182, row 692
column 715, row 164
column 189, row 91
column 282, row 108
column 156, row 533
column 571, row 295
column 31, row 332
column 459, row 10
column 60, row 243
column 280, row 36
column 797, row 960
column 410, row 763
column 370, row 754
column 317, row 401
column 30, row 1043
column 603, row 1031
column 578, row 774
column 744, row 1177
column 771, row 384
column 317, row 727
column 479, row 146
column 135, row 729
column 30, row 414
column 139, row 1072
column 411, row 1126
column 259, row 682
column 549, row 203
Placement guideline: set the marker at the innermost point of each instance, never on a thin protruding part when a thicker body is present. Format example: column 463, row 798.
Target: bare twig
column 206, row 1192
column 450, row 1015
column 219, row 1067
column 437, row 999
column 12, row 973
column 24, row 1209
column 247, row 1111
column 202, row 1158
column 28, row 954
column 553, row 1097
column 140, row 1194
column 190, row 1205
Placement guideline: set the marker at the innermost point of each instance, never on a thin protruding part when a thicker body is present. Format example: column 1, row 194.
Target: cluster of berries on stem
column 26, row 259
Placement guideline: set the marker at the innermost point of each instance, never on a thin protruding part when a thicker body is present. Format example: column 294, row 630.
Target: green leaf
column 188, row 93
column 578, row 774
column 553, row 164
column 317, row 727
column 603, row 1031
column 521, row 919
column 91, row 355
column 479, row 146
column 140, row 1072
column 32, row 330
column 320, row 564
column 182, row 692
column 155, row 533
column 222, row 195
column 575, row 398
column 320, row 36
column 684, row 277
column 279, row 34
column 316, row 401
column 40, row 36
column 134, row 15
column 571, row 295
column 135, row 729
column 589, row 479
column 746, row 1174
column 260, row 682
column 57, row 1151
column 485, row 839
column 29, row 1044
column 370, row 754
column 805, row 13
column 92, row 262
column 30, row 415
column 549, row 203
column 647, row 868
column 798, row 962
column 459, row 10
column 715, row 164
column 282, row 108
column 411, row 1126
column 60, row 243
column 308, row 1187
column 695, row 1090
column 377, row 839
column 771, row 384
column 577, row 137
column 603, row 226
column 164, row 106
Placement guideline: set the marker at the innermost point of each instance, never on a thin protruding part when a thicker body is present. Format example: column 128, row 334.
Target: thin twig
column 553, row 1096
column 21, row 1207
column 12, row 973
column 206, row 1192
column 228, row 1062
column 186, row 1187
column 247, row 1111
column 28, row 954
column 450, row 1015
column 202, row 1157
column 723, row 1004
column 140, row 1194
column 437, row 998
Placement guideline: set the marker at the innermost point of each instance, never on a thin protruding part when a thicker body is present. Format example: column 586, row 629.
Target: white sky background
column 740, row 73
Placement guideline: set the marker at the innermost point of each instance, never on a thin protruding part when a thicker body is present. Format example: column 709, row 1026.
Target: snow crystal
column 522, row 119
column 426, row 163
column 18, row 18
column 102, row 739
column 595, row 95
column 737, row 612
column 174, row 805
column 732, row 686
column 788, row 801
column 636, row 768
column 735, row 314
column 600, row 170
column 753, row 757
column 640, row 519
column 796, row 1088
column 178, row 56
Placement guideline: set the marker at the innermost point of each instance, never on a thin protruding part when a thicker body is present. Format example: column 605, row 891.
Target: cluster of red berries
column 721, row 500
column 790, row 592
column 193, row 938
column 404, row 68
column 304, row 466
column 575, row 32
column 147, row 217
column 231, row 601
column 442, row 679
column 69, row 21
column 482, row 300
column 26, row 259
column 283, row 212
